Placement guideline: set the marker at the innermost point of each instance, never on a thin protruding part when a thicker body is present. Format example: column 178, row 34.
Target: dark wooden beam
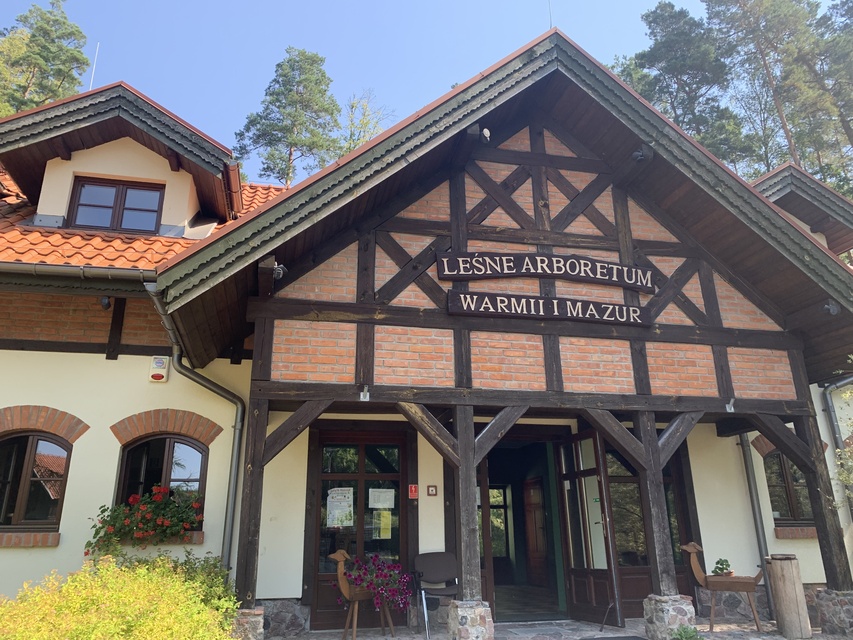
column 674, row 285
column 174, row 160
column 579, row 203
column 116, row 328
column 569, row 163
column 772, row 428
column 502, row 197
column 432, row 430
column 60, row 148
column 262, row 357
column 288, row 430
column 676, row 432
column 466, row 490
column 487, row 205
column 495, row 430
column 617, row 435
column 448, row 397
column 653, row 503
column 412, row 270
column 266, row 277
column 660, row 280
column 246, row 573
column 318, row 311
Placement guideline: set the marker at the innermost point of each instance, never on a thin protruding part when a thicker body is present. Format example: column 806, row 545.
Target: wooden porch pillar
column 653, row 503
column 466, row 491
column 246, row 575
column 830, row 536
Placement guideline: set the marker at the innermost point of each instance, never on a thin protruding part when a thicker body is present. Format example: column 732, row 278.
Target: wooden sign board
column 481, row 266
column 539, row 308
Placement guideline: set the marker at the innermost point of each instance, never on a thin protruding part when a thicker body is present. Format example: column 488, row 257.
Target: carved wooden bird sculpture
column 354, row 595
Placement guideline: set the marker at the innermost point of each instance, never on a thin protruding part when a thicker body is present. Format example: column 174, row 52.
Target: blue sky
column 209, row 61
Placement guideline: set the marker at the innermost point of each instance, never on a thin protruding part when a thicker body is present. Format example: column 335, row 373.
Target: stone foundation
column 438, row 612
column 470, row 620
column 835, row 611
column 732, row 607
column 284, row 618
column 665, row 614
column 249, row 624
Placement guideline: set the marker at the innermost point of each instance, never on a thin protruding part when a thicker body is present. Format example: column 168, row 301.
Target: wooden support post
column 830, row 536
column 466, row 492
column 653, row 502
column 246, row 575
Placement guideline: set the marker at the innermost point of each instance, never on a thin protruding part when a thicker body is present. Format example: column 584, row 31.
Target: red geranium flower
column 134, row 499
column 157, row 497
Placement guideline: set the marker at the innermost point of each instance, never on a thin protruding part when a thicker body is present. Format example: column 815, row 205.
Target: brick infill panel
column 40, row 418
column 28, row 539
column 166, row 421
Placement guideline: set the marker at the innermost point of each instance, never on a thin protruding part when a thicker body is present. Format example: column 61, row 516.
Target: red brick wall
column 518, row 142
column 386, row 269
column 166, row 421
column 507, row 361
column 737, row 311
column 555, row 147
column 591, row 365
column 332, row 281
column 681, row 369
column 414, row 357
column 39, row 418
column 54, row 318
column 433, row 206
column 313, row 351
column 77, row 319
column 761, row 373
column 644, row 227
column 142, row 324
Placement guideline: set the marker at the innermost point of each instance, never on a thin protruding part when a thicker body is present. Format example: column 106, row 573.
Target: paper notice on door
column 381, row 498
column 381, row 525
column 339, row 507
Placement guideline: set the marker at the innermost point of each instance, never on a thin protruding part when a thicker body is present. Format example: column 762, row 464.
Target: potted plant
column 162, row 516
column 385, row 580
column 722, row 568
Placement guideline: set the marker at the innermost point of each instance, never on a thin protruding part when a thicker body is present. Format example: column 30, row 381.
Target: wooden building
column 536, row 304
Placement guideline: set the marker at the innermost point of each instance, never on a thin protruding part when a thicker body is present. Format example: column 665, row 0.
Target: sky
column 209, row 61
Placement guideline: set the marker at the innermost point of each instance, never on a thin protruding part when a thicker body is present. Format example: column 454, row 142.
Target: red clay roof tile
column 22, row 243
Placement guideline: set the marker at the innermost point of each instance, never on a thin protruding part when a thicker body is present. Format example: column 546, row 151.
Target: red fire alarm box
column 413, row 492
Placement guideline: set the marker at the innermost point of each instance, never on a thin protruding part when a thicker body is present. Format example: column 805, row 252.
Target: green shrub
column 153, row 598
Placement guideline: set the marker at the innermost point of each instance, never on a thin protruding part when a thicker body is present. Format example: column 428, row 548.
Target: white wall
column 101, row 392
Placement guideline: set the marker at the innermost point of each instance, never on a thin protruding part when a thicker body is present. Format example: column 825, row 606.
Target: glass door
column 590, row 577
column 361, row 511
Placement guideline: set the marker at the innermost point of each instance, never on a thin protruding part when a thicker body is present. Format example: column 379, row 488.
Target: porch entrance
column 568, row 541
column 356, row 496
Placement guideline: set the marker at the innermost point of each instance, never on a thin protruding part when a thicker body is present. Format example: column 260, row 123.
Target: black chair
column 438, row 570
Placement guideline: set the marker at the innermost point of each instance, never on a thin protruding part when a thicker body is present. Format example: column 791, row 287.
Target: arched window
column 33, row 472
column 789, row 497
column 173, row 461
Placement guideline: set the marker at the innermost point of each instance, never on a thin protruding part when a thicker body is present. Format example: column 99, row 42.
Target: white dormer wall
column 817, row 235
column 123, row 159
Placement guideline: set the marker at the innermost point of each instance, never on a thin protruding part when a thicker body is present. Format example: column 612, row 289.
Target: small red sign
column 413, row 492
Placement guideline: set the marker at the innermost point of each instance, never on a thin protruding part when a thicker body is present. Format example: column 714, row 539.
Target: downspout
column 222, row 392
column 829, row 407
column 834, row 427
column 757, row 517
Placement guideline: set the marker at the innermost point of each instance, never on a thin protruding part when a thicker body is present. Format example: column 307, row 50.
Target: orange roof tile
column 22, row 243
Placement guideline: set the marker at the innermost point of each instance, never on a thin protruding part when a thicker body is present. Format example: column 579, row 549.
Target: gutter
column 83, row 273
column 222, row 392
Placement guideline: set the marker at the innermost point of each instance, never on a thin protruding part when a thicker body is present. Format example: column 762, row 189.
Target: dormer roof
column 815, row 204
column 28, row 140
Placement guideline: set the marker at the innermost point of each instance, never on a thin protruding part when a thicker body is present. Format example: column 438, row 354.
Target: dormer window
column 120, row 206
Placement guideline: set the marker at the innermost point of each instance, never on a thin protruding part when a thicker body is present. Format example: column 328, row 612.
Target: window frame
column 18, row 522
column 788, row 484
column 118, row 205
column 165, row 477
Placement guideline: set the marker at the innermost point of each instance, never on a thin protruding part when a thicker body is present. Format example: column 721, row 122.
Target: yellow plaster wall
column 101, row 392
column 122, row 159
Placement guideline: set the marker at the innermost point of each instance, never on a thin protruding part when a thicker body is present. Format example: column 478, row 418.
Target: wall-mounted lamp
column 105, row 303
